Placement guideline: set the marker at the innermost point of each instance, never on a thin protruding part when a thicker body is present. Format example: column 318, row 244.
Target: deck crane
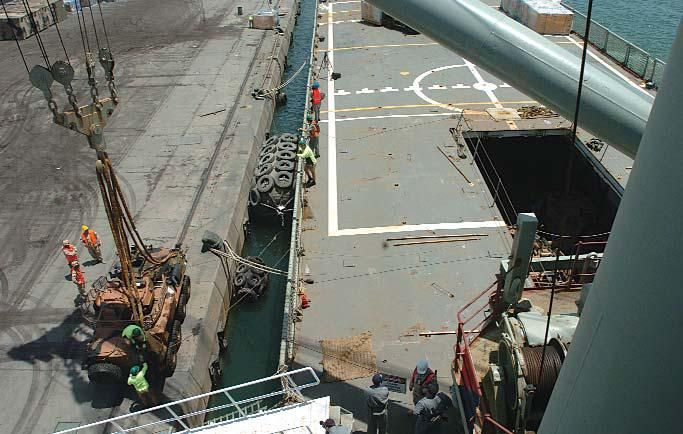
column 149, row 286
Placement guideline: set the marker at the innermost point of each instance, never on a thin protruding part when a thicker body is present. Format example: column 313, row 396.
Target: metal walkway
column 171, row 418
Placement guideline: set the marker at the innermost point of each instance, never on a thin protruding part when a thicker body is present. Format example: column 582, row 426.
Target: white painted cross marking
column 388, row 89
column 365, row 90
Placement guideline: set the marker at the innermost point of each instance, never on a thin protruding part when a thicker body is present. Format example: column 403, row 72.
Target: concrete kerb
column 223, row 209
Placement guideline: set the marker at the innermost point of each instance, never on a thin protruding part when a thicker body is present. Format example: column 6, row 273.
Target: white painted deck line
column 418, row 90
column 483, row 83
column 422, row 227
column 332, row 211
column 606, row 65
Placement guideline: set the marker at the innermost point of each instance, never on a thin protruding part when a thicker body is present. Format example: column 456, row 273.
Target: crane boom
column 611, row 108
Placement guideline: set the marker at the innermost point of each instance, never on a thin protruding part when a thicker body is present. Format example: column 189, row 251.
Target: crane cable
column 112, row 208
column 39, row 39
column 14, row 34
column 59, row 32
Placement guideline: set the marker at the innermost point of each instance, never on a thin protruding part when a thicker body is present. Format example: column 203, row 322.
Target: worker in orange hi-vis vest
column 317, row 98
column 78, row 278
column 70, row 252
column 92, row 242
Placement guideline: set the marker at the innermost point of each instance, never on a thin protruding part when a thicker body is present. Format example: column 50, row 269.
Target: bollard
column 239, row 10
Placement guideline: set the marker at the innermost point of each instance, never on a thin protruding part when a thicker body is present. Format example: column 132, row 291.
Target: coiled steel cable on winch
column 543, row 379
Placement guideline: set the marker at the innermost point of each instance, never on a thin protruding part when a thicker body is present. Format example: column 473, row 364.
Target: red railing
column 463, row 364
column 484, row 308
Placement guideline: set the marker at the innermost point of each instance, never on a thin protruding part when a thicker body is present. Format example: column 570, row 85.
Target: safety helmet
column 134, row 370
column 309, row 117
column 65, row 243
column 422, row 367
column 84, row 228
column 377, row 379
column 316, row 85
column 75, row 263
column 137, row 332
column 302, row 141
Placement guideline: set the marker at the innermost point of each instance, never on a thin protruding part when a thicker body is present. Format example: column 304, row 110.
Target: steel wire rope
column 80, row 29
column 270, row 242
column 550, row 311
column 85, row 28
column 237, row 258
column 579, row 89
column 59, row 33
column 39, row 39
column 14, row 35
column 573, row 236
column 94, row 27
column 269, row 92
column 112, row 207
column 395, row 129
column 104, row 25
column 490, row 180
column 129, row 221
column 500, row 179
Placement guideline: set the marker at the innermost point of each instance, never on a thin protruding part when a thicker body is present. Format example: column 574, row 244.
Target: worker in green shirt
column 308, row 156
column 139, row 382
column 133, row 333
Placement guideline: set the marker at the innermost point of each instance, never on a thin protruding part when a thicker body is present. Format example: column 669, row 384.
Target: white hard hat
column 65, row 243
column 422, row 367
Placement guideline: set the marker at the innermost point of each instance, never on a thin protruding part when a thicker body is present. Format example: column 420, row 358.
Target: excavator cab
column 163, row 290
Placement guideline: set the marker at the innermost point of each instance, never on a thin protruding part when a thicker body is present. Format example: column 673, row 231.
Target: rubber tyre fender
column 289, row 137
column 254, row 281
column 105, row 373
column 256, row 259
column 283, row 179
column 265, row 159
column 286, row 146
column 240, row 280
column 263, row 169
column 285, row 166
column 265, row 184
column 181, row 309
column 241, row 268
column 257, row 272
column 266, row 150
column 286, row 155
column 262, row 288
column 254, row 197
column 186, row 287
column 274, row 140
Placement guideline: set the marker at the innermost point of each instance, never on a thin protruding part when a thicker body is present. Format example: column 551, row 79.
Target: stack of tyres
column 272, row 186
column 250, row 283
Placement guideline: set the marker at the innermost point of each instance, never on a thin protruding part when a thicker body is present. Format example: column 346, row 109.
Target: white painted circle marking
column 422, row 96
column 485, row 87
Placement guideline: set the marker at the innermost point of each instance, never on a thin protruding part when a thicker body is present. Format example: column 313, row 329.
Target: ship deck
column 381, row 175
